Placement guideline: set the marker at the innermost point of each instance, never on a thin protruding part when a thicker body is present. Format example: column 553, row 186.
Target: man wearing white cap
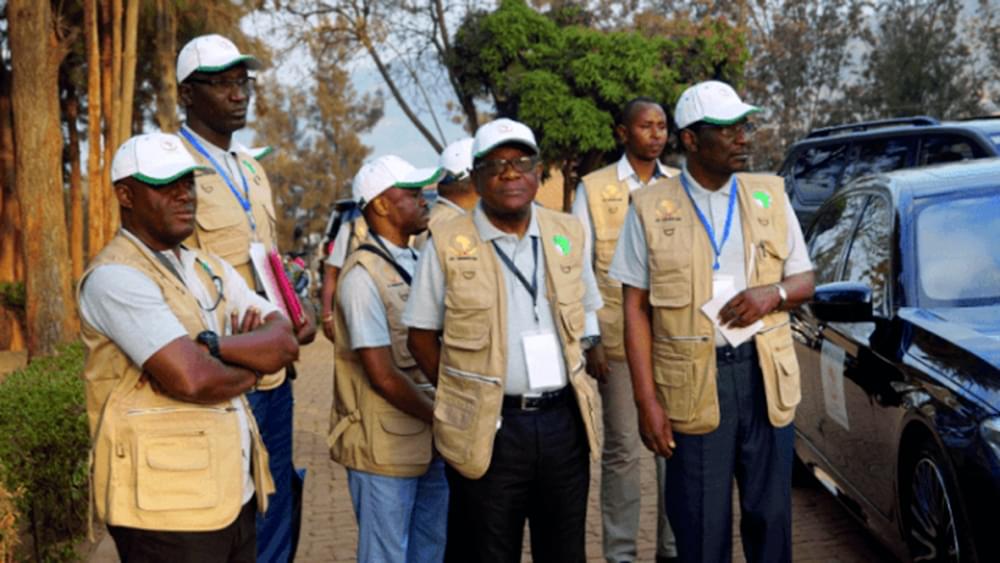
column 382, row 404
column 236, row 219
column 456, row 194
column 175, row 339
column 601, row 203
column 720, row 240
column 500, row 303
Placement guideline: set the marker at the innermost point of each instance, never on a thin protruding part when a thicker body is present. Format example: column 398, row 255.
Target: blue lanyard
column 243, row 198
column 531, row 288
column 717, row 248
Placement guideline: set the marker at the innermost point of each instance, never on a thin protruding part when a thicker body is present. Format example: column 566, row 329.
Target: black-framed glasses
column 729, row 132
column 496, row 167
column 245, row 84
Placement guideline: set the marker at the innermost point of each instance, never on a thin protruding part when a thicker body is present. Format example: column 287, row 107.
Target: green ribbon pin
column 562, row 243
column 763, row 199
column 250, row 167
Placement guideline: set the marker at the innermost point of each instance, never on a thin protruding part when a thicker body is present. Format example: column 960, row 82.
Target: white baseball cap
column 456, row 158
column 712, row 102
column 210, row 53
column 153, row 158
column 501, row 132
column 386, row 172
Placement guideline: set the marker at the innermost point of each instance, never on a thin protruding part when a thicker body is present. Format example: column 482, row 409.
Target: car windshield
column 958, row 258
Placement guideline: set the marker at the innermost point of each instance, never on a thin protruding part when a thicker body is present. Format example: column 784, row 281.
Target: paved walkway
column 823, row 531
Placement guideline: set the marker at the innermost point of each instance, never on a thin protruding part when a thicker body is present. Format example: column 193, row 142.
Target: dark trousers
column 700, row 473
column 233, row 544
column 278, row 529
column 540, row 471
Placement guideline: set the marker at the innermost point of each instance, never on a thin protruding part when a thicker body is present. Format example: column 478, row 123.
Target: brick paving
column 823, row 531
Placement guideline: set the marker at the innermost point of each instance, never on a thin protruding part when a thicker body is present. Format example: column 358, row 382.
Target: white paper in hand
column 735, row 336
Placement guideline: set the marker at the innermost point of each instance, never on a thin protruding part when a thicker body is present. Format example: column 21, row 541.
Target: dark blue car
column 900, row 358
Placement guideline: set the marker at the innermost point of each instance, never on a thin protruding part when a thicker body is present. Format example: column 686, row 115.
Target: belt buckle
column 524, row 404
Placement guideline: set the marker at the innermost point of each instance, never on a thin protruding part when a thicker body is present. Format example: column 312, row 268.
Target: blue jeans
column 400, row 519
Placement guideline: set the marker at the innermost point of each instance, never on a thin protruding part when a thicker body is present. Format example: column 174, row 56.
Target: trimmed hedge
column 44, row 445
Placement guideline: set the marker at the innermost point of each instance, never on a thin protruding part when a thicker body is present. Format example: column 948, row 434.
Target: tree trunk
column 110, row 121
column 75, row 186
column 36, row 55
column 97, row 214
column 128, row 70
column 11, row 259
column 166, row 54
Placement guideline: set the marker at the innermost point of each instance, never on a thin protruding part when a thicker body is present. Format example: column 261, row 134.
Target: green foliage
column 12, row 295
column 568, row 82
column 45, row 449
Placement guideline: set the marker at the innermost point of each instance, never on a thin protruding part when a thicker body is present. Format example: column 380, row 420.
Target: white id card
column 541, row 354
column 722, row 284
column 262, row 271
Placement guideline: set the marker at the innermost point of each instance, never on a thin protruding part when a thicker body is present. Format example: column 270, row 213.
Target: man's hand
column 306, row 333
column 328, row 322
column 597, row 363
column 655, row 429
column 749, row 306
column 251, row 321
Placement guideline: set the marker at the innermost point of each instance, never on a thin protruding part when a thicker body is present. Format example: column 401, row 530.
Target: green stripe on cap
column 420, row 183
column 736, row 119
column 164, row 181
column 230, row 64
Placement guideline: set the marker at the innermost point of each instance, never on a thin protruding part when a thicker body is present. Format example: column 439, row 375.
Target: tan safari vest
column 440, row 213
column 607, row 201
column 367, row 432
column 159, row 463
column 222, row 227
column 472, row 373
column 680, row 281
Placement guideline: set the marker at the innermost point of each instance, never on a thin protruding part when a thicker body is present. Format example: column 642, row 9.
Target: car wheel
column 932, row 518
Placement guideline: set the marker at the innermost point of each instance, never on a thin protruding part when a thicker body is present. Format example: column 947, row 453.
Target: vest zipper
column 469, row 375
column 682, row 338
column 165, row 410
column 770, row 328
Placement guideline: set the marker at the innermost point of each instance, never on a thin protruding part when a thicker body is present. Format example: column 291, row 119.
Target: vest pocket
column 771, row 258
column 670, row 289
column 787, row 370
column 573, row 318
column 174, row 472
column 466, row 329
column 674, row 378
column 224, row 232
column 460, row 412
column 399, row 438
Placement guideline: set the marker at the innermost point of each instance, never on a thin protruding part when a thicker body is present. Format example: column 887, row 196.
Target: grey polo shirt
column 630, row 264
column 425, row 307
column 359, row 299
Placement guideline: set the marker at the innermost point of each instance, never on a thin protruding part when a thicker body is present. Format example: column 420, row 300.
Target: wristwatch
column 211, row 341
column 588, row 342
column 782, row 294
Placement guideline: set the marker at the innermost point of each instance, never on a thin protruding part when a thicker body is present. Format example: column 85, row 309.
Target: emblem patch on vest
column 763, row 199
column 463, row 247
column 562, row 244
column 612, row 192
column 667, row 210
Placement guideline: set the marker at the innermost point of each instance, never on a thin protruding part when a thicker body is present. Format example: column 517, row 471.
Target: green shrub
column 44, row 445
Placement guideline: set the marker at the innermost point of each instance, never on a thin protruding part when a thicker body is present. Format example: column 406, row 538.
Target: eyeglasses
column 523, row 164
column 730, row 132
column 245, row 84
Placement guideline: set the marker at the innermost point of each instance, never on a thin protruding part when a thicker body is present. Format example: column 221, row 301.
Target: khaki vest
column 160, row 463
column 680, row 281
column 440, row 213
column 472, row 373
column 367, row 432
column 222, row 227
column 607, row 201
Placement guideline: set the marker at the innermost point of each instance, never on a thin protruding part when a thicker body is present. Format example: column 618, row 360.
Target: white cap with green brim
column 502, row 131
column 712, row 102
column 154, row 158
column 456, row 158
column 386, row 172
column 211, row 53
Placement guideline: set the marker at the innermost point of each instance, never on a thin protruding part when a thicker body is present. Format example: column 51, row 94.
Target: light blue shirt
column 425, row 309
column 359, row 299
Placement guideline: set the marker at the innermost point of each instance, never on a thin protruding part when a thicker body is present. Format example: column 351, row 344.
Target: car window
column 817, row 171
column 879, row 155
column 868, row 258
column 937, row 149
column 830, row 232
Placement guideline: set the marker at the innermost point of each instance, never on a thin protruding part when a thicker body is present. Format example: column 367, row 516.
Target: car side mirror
column 842, row 302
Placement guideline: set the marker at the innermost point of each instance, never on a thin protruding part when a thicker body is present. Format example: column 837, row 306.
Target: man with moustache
column 716, row 411
column 601, row 202
column 235, row 217
column 175, row 339
column 382, row 406
column 502, row 298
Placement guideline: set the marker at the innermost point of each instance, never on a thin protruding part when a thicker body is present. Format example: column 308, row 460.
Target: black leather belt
column 533, row 403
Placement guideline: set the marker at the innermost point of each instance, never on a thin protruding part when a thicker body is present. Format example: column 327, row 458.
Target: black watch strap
column 211, row 340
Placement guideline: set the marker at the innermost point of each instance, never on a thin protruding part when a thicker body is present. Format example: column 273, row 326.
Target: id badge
column 722, row 284
column 261, row 270
column 541, row 354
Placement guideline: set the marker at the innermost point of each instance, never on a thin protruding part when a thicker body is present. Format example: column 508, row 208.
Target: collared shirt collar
column 488, row 232
column 625, row 171
column 697, row 190
column 399, row 253
column 214, row 149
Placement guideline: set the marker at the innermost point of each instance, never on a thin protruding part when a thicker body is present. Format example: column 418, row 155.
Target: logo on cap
column 504, row 128
column 168, row 144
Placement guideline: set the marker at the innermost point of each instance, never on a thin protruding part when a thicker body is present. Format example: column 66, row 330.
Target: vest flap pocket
column 787, row 368
column 774, row 250
column 670, row 293
column 400, row 424
column 674, row 377
column 574, row 318
column 216, row 218
column 401, row 440
column 455, row 412
column 175, row 472
column 467, row 329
